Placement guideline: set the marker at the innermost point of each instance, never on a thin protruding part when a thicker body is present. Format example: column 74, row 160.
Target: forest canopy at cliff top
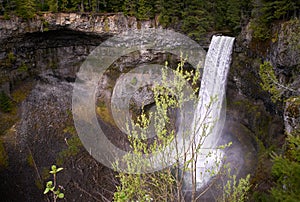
column 193, row 17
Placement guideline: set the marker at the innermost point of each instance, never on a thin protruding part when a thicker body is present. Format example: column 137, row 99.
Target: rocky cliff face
column 283, row 52
column 58, row 42
column 48, row 51
column 252, row 106
column 95, row 23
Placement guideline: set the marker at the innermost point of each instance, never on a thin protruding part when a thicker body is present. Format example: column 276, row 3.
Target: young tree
column 171, row 183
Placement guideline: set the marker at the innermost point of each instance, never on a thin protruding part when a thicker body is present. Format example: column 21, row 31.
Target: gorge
column 38, row 70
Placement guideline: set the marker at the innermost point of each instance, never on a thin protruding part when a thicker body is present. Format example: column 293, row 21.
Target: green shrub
column 286, row 170
column 52, row 186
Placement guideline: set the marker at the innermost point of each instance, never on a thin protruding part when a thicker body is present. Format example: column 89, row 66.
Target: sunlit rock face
column 95, row 23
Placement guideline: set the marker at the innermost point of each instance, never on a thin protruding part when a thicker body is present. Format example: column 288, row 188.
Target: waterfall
column 209, row 115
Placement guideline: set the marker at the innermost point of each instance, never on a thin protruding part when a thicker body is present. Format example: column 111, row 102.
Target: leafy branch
column 51, row 186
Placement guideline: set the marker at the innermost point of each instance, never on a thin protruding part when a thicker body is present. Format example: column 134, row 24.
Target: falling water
column 209, row 117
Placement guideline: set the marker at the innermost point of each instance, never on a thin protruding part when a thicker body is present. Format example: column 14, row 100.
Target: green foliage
column 261, row 31
column 170, row 12
column 42, row 5
column 74, row 145
column 30, row 160
column 196, row 19
column 262, row 197
column 70, row 129
column 23, row 67
column 52, row 187
column 113, row 6
column 11, row 57
column 6, row 16
column 200, row 17
column 271, row 84
column 144, row 10
column 106, row 25
column 7, row 120
column 236, row 191
column 5, row 103
column 233, row 14
column 267, row 11
column 63, row 5
column 165, row 184
column 20, row 94
column 286, row 170
column 26, row 8
column 293, row 39
column 129, row 7
column 269, row 81
column 194, row 16
column 53, row 5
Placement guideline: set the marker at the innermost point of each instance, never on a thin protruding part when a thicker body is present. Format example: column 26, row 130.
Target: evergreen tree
column 158, row 6
column 170, row 12
column 26, row 8
column 63, row 5
column 266, row 11
column 42, row 5
column 196, row 19
column 53, row 5
column 94, row 6
column 114, row 6
column 233, row 14
column 217, row 10
column 144, row 10
column 129, row 7
column 78, row 5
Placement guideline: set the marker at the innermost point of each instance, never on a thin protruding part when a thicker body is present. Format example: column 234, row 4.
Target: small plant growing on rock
column 51, row 186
